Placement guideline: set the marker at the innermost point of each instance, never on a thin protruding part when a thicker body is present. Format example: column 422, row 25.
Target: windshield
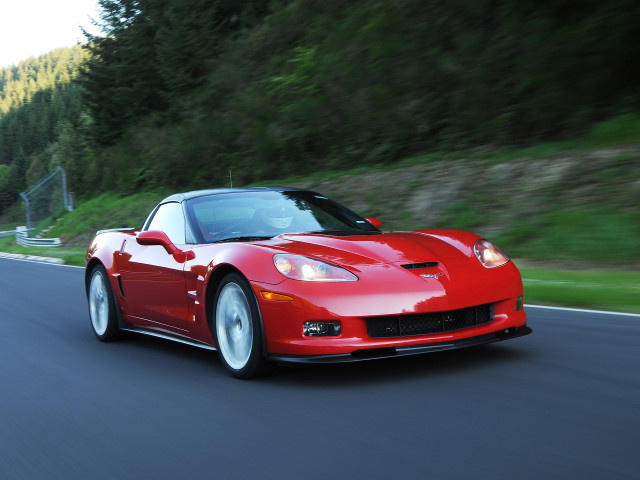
column 254, row 215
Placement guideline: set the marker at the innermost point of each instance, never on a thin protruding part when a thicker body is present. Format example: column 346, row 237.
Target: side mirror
column 374, row 221
column 154, row 237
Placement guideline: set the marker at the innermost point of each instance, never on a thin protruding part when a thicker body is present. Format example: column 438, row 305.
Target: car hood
column 405, row 248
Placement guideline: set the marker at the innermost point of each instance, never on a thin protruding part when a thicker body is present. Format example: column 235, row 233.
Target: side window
column 169, row 219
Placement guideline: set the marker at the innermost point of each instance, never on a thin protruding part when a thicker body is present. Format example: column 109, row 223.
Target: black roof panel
column 180, row 197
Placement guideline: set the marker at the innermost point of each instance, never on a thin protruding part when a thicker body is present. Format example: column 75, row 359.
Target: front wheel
column 102, row 308
column 237, row 328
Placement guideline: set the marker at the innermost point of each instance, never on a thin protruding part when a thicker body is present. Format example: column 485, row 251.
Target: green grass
column 594, row 235
column 620, row 130
column 71, row 256
column 598, row 290
column 545, row 150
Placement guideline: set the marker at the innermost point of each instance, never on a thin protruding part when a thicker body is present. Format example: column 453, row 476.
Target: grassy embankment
column 591, row 289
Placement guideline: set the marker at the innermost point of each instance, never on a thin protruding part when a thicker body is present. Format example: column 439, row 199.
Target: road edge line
column 36, row 259
column 583, row 310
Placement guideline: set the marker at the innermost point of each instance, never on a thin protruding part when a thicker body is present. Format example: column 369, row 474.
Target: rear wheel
column 236, row 326
column 102, row 309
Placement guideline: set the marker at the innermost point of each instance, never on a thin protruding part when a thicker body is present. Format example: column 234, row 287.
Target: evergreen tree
column 35, row 96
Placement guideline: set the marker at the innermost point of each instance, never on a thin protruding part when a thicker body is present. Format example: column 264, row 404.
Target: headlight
column 488, row 254
column 298, row 267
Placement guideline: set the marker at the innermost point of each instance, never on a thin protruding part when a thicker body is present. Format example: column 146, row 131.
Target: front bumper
column 388, row 352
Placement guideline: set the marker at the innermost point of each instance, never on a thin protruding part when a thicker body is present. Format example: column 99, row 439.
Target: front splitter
column 390, row 352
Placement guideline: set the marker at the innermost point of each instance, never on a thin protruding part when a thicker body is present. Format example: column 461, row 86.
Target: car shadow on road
column 390, row 370
column 402, row 369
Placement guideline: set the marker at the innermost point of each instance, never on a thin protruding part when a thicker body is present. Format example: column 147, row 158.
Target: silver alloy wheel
column 234, row 326
column 99, row 303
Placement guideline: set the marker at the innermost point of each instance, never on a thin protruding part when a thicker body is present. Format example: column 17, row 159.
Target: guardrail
column 23, row 239
column 7, row 233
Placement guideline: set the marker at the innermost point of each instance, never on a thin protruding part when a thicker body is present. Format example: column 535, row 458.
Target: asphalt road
column 563, row 402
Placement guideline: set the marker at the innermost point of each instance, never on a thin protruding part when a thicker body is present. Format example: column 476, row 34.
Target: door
column 153, row 281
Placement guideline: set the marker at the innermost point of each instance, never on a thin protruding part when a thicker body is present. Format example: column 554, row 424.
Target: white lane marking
column 536, row 281
column 33, row 259
column 583, row 310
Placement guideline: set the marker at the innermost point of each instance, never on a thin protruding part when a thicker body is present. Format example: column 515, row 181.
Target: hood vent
column 415, row 266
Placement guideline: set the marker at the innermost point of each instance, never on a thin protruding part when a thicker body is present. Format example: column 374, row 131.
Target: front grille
column 428, row 323
column 415, row 266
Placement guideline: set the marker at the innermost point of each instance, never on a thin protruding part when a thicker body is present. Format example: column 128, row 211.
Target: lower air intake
column 428, row 323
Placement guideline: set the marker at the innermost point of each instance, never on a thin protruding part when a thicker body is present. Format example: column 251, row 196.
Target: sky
column 30, row 28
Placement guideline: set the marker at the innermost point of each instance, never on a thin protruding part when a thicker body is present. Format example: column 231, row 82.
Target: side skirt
column 168, row 336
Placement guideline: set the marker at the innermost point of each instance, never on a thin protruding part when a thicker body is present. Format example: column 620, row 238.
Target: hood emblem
column 431, row 275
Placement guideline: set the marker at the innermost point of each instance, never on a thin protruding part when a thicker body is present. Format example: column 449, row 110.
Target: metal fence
column 47, row 199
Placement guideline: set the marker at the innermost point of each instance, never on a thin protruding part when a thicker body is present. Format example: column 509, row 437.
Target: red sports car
column 280, row 275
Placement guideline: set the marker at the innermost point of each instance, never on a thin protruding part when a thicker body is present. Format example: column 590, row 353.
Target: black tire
column 237, row 329
column 102, row 307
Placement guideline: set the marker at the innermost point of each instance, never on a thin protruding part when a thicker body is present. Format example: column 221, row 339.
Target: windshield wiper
column 245, row 238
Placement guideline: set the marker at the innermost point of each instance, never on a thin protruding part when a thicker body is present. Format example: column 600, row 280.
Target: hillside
column 573, row 208
column 40, row 110
column 569, row 218
column 179, row 93
column 175, row 94
column 356, row 97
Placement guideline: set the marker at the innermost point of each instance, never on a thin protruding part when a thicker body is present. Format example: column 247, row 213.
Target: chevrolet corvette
column 277, row 275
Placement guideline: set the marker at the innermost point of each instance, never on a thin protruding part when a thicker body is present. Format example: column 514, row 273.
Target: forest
column 179, row 93
column 39, row 106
